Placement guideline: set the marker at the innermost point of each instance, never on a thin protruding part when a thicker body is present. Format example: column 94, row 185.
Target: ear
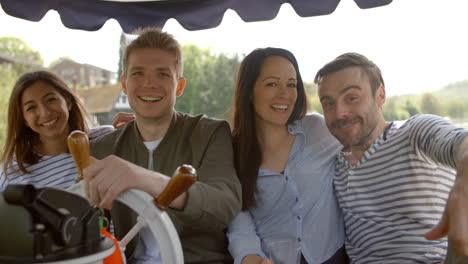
column 124, row 84
column 180, row 86
column 380, row 96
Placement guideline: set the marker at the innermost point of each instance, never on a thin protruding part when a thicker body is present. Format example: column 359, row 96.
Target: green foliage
column 123, row 45
column 210, row 82
column 313, row 101
column 430, row 104
column 56, row 61
column 454, row 90
column 314, row 105
column 411, row 107
column 457, row 108
column 8, row 77
column 451, row 102
column 392, row 111
column 311, row 89
column 18, row 49
column 25, row 57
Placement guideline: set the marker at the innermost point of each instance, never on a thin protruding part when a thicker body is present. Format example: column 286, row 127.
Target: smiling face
column 275, row 92
column 152, row 84
column 45, row 111
column 352, row 112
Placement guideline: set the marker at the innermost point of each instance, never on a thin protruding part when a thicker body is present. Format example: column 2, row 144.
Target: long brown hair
column 247, row 153
column 20, row 139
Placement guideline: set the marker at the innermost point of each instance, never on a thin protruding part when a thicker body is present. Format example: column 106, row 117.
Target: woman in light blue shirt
column 285, row 162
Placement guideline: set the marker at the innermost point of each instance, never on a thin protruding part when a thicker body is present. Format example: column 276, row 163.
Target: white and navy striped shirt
column 57, row 171
column 398, row 190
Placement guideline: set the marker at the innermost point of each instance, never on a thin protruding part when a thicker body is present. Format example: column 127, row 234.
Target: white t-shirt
column 151, row 146
column 147, row 250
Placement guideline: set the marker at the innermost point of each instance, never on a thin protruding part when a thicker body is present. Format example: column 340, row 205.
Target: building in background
column 79, row 76
column 103, row 102
column 96, row 87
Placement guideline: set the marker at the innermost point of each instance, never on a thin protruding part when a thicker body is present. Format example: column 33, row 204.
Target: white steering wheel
column 149, row 215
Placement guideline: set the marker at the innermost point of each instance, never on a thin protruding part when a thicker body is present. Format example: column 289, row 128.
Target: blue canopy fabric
column 191, row 14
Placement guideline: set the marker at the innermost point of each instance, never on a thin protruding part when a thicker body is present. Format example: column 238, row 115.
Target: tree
column 457, row 109
column 194, row 73
column 210, row 82
column 411, row 107
column 222, row 77
column 56, row 61
column 431, row 105
column 394, row 111
column 8, row 77
column 311, row 89
column 313, row 102
column 26, row 58
column 123, row 45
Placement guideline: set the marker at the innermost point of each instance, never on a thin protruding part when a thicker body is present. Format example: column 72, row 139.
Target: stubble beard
column 364, row 135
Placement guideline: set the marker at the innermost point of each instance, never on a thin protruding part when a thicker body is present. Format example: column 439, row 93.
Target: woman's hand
column 255, row 259
column 121, row 119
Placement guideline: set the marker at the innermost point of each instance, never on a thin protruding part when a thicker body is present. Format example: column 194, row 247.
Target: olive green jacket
column 213, row 201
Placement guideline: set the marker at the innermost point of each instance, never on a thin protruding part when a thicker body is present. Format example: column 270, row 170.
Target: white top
column 151, row 146
column 57, row 171
column 147, row 250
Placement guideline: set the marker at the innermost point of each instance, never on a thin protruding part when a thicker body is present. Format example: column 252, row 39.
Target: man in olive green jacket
column 159, row 140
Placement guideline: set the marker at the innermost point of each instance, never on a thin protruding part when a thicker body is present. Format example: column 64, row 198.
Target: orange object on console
column 116, row 257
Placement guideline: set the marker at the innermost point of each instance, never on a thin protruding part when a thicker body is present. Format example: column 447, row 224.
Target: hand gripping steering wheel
column 154, row 217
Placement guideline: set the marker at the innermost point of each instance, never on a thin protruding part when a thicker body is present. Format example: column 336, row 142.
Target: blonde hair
column 154, row 38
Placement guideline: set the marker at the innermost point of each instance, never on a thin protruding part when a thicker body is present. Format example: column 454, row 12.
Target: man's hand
column 121, row 119
column 255, row 259
column 454, row 222
column 107, row 178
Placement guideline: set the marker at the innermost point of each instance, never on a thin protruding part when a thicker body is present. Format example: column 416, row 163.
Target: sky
column 420, row 45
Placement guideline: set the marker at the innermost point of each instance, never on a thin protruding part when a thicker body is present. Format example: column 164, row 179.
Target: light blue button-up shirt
column 299, row 204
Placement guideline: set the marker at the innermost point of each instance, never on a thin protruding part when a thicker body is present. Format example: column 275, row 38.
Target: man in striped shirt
column 394, row 180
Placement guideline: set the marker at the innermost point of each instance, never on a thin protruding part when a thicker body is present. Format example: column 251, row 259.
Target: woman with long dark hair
column 285, row 162
column 42, row 111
